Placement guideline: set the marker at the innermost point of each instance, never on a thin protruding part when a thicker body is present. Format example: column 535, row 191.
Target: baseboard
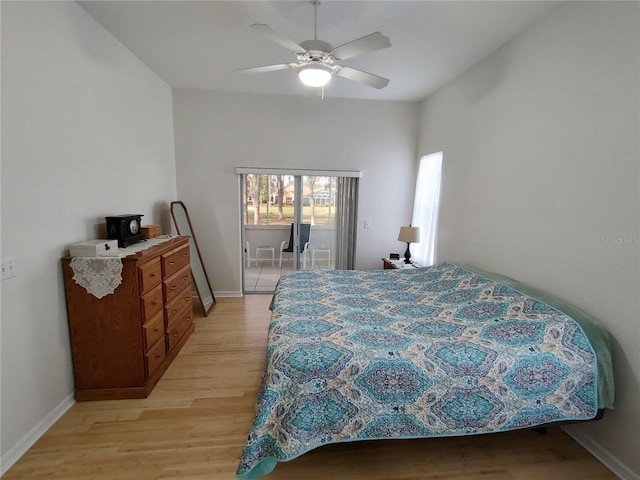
column 230, row 294
column 26, row 442
column 603, row 455
column 219, row 294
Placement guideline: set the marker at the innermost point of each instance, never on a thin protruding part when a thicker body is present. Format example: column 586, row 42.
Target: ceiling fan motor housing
column 316, row 51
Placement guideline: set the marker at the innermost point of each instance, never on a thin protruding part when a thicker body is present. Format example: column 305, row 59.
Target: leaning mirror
column 201, row 282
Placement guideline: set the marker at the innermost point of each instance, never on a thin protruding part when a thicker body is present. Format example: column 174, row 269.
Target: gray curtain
column 347, row 222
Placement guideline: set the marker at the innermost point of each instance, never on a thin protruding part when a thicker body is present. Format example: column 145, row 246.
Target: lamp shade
column 315, row 75
column 409, row 234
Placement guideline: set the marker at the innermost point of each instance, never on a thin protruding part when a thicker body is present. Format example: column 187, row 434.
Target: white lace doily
column 100, row 276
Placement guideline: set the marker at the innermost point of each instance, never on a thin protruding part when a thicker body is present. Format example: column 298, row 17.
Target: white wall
column 87, row 131
column 540, row 170
column 216, row 132
column 541, row 181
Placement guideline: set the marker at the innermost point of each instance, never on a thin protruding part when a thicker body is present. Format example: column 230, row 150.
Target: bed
column 416, row 353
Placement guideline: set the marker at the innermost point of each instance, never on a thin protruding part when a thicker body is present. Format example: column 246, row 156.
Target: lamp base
column 407, row 255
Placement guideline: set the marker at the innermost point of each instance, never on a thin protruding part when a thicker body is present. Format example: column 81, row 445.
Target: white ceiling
column 199, row 44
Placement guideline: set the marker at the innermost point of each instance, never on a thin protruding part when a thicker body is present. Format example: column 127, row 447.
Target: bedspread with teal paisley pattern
column 437, row 351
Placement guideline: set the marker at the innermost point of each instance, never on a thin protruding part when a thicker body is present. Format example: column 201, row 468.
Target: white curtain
column 425, row 208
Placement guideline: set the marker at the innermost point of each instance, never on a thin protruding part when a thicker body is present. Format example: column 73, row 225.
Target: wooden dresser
column 123, row 342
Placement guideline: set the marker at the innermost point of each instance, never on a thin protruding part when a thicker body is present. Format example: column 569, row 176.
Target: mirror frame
column 195, row 242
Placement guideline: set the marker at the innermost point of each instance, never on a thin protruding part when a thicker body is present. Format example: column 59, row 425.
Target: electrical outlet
column 8, row 268
column 367, row 224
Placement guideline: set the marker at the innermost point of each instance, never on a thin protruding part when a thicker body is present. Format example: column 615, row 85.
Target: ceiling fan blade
column 370, row 43
column 267, row 68
column 280, row 39
column 363, row 77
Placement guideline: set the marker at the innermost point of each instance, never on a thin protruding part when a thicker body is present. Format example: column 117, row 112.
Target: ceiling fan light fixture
column 315, row 75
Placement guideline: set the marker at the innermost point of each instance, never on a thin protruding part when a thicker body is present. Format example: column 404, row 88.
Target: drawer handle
column 156, row 329
column 157, row 355
column 184, row 254
column 174, row 310
column 154, row 303
column 172, row 263
column 175, row 334
column 173, row 287
column 154, row 274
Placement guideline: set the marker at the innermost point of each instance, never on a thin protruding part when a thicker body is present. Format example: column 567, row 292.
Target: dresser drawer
column 175, row 260
column 175, row 284
column 174, row 310
column 150, row 274
column 176, row 332
column 151, row 303
column 154, row 357
column 152, row 331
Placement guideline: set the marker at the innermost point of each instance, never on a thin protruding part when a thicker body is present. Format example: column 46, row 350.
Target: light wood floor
column 194, row 424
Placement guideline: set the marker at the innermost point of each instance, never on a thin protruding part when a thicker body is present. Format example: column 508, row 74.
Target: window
column 279, row 205
column 268, row 199
column 425, row 208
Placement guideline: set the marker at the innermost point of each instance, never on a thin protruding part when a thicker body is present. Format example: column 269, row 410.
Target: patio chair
column 247, row 253
column 304, row 230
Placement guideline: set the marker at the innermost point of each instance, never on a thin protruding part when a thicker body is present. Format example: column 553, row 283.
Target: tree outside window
column 269, row 200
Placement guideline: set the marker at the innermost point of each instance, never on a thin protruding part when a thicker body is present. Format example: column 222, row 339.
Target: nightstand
column 397, row 264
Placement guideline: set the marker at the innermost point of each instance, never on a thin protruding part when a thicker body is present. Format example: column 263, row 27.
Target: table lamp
column 410, row 235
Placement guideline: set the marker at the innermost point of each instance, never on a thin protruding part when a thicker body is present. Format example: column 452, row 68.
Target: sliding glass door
column 290, row 222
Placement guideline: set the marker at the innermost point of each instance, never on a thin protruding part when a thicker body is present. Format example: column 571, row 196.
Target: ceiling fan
column 317, row 60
